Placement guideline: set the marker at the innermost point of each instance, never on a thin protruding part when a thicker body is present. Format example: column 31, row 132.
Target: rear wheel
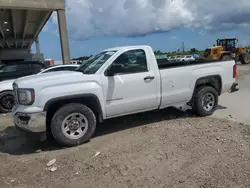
column 245, row 58
column 73, row 124
column 6, row 101
column 226, row 58
column 205, row 101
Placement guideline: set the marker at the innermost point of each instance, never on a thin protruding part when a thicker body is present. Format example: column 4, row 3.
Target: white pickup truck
column 116, row 82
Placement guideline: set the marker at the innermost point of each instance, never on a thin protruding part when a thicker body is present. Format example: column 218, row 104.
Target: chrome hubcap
column 74, row 126
column 208, row 101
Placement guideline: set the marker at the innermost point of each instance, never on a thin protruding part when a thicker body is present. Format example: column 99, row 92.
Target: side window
column 133, row 61
column 37, row 66
column 215, row 51
column 24, row 67
column 10, row 68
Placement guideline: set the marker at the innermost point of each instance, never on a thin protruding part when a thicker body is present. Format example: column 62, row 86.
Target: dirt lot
column 157, row 149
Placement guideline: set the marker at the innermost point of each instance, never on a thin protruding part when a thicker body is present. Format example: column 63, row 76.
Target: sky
column 94, row 25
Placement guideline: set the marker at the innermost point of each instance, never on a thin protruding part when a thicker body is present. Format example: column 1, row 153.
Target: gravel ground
column 235, row 106
column 156, row 149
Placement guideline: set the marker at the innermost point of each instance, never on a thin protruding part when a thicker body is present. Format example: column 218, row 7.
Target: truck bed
column 164, row 63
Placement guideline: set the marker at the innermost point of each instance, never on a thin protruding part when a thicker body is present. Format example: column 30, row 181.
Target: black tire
column 59, row 118
column 6, row 101
column 245, row 58
column 226, row 58
column 201, row 92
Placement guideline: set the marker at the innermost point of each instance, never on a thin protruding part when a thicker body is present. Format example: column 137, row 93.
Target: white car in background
column 6, row 88
column 172, row 58
column 186, row 58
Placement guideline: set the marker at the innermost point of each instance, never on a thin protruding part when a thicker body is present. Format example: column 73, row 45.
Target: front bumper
column 35, row 122
column 234, row 88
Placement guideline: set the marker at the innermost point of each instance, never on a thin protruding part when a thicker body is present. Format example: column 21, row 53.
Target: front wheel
column 73, row 124
column 246, row 58
column 6, row 101
column 226, row 58
column 205, row 101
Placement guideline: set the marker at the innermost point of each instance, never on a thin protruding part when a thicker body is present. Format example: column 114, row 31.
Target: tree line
column 158, row 52
column 180, row 52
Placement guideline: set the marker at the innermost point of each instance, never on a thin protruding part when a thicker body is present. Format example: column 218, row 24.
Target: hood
column 6, row 85
column 53, row 77
column 7, row 81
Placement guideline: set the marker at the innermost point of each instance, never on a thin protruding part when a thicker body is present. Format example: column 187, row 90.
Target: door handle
column 149, row 78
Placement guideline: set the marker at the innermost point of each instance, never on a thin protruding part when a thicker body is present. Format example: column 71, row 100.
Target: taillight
column 235, row 71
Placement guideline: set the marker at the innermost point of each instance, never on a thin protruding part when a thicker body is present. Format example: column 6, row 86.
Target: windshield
column 207, row 52
column 94, row 63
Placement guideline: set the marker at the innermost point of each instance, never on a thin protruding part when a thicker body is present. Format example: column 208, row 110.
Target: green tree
column 193, row 50
column 158, row 52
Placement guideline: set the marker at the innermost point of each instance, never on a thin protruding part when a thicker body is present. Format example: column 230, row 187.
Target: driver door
column 133, row 89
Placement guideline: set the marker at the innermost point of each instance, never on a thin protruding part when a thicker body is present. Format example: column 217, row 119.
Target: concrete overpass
column 21, row 21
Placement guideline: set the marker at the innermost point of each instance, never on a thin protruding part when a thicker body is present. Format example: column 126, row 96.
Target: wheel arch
column 8, row 90
column 89, row 100
column 214, row 81
column 225, row 53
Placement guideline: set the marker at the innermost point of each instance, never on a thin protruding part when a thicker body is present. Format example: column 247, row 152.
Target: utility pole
column 183, row 47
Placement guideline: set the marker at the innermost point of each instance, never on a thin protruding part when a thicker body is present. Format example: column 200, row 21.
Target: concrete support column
column 37, row 46
column 63, row 36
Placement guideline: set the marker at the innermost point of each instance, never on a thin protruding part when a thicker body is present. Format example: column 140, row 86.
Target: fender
column 96, row 104
column 212, row 80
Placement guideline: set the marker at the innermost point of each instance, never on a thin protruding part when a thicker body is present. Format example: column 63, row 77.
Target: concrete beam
column 44, row 19
column 1, row 32
column 33, row 4
column 25, row 23
column 7, row 43
column 63, row 36
column 13, row 25
column 12, row 40
column 38, row 51
column 13, row 50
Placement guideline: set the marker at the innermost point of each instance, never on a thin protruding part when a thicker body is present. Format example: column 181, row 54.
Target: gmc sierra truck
column 116, row 82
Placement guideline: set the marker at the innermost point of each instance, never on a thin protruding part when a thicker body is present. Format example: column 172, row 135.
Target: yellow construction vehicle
column 226, row 49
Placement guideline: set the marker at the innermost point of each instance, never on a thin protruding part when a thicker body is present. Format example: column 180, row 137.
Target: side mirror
column 114, row 69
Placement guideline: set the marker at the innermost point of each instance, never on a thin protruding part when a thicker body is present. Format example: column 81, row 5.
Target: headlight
column 26, row 96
